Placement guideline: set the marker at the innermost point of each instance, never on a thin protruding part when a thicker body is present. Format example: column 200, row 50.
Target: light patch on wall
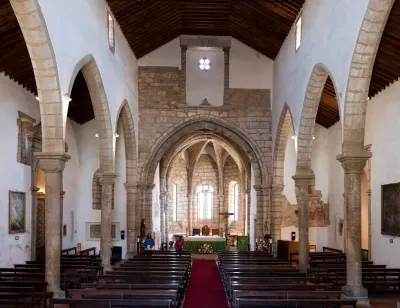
column 41, row 181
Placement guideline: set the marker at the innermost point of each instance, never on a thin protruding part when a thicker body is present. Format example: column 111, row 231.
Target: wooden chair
column 205, row 230
column 214, row 231
column 196, row 232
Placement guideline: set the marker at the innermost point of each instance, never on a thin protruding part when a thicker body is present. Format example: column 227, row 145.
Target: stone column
column 190, row 216
column 222, row 208
column 226, row 76
column 62, row 194
column 303, row 183
column 183, row 76
column 34, row 192
column 53, row 164
column 276, row 216
column 106, row 180
column 163, row 206
column 131, row 220
column 369, row 192
column 353, row 165
column 248, row 194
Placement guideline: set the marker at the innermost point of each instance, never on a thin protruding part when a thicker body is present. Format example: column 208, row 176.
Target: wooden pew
column 23, row 296
column 88, row 251
column 110, row 303
column 298, row 303
column 69, row 251
column 329, row 249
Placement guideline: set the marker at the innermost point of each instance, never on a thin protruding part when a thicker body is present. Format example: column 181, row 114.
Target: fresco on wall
column 318, row 211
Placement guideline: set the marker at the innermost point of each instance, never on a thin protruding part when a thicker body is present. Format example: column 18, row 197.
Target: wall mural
column 318, row 211
column 390, row 208
column 17, row 212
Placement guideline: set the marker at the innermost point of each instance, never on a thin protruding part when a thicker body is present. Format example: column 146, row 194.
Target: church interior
column 208, row 153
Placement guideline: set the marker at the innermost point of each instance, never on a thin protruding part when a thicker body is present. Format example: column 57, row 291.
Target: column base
column 58, row 293
column 107, row 268
column 356, row 292
column 303, row 267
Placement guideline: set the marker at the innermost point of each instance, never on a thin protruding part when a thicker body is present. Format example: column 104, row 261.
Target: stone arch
column 207, row 123
column 313, row 94
column 125, row 115
column 45, row 69
column 282, row 134
column 360, row 73
column 98, row 97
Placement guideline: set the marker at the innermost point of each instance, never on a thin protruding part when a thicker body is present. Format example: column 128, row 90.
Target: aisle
column 205, row 288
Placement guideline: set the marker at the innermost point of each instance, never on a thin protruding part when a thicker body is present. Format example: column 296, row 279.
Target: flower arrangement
column 262, row 245
column 206, row 248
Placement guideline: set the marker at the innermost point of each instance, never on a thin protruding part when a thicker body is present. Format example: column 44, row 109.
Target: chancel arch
column 201, row 131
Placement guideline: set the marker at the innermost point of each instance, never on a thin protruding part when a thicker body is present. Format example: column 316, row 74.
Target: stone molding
column 146, row 186
column 34, row 190
column 303, row 180
column 277, row 189
column 130, row 187
column 354, row 163
column 52, row 162
column 107, row 178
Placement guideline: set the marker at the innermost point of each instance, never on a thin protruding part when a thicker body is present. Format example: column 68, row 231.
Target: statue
column 142, row 229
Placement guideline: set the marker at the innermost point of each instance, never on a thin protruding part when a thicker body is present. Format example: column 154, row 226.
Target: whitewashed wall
column 78, row 28
column 383, row 112
column 16, row 176
column 330, row 30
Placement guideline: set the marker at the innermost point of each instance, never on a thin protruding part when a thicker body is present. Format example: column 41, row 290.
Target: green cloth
column 195, row 246
column 243, row 243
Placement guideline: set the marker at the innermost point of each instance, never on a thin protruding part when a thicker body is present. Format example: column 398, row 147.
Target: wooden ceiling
column 14, row 57
column 149, row 24
column 328, row 109
column 387, row 63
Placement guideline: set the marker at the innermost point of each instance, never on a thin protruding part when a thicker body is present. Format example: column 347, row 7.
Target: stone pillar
column 62, row 194
column 276, row 216
column 106, row 180
column 163, row 206
column 190, row 216
column 353, row 165
column 183, row 76
column 248, row 194
column 369, row 192
column 303, row 183
column 222, row 208
column 53, row 164
column 34, row 192
column 226, row 76
column 263, row 211
column 131, row 218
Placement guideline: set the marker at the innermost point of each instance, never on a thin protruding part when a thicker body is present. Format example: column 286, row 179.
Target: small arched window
column 175, row 202
column 205, row 201
column 236, row 201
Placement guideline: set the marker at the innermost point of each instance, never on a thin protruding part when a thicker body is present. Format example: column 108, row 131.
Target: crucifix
column 226, row 216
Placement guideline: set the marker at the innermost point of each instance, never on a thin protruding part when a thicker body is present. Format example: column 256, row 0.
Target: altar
column 194, row 243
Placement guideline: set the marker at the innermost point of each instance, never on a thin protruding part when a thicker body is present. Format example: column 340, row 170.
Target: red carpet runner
column 205, row 288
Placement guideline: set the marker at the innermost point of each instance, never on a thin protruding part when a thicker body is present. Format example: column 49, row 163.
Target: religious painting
column 93, row 231
column 390, row 209
column 17, row 213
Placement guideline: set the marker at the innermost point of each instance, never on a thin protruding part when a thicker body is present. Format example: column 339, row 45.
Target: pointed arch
column 282, row 134
column 45, row 69
column 362, row 64
column 98, row 97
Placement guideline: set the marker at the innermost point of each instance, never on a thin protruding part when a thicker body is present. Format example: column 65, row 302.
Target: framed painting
column 93, row 231
column 390, row 209
column 16, row 212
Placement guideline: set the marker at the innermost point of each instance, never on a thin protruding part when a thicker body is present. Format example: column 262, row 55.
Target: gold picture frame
column 16, row 212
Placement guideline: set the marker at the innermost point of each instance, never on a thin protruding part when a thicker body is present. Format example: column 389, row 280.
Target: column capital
column 163, row 194
column 354, row 163
column 34, row 189
column 107, row 178
column 277, row 189
column 184, row 47
column 130, row 187
column 303, row 179
column 146, row 186
column 226, row 49
column 62, row 194
column 262, row 190
column 52, row 162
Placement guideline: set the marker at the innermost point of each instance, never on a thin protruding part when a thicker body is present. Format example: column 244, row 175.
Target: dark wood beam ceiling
column 328, row 109
column 149, row 24
column 14, row 57
column 387, row 63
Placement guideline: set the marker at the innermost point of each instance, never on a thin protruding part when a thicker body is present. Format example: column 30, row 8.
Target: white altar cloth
column 204, row 239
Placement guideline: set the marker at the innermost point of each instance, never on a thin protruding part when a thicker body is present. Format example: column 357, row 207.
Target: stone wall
column 178, row 177
column 232, row 174
column 205, row 172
